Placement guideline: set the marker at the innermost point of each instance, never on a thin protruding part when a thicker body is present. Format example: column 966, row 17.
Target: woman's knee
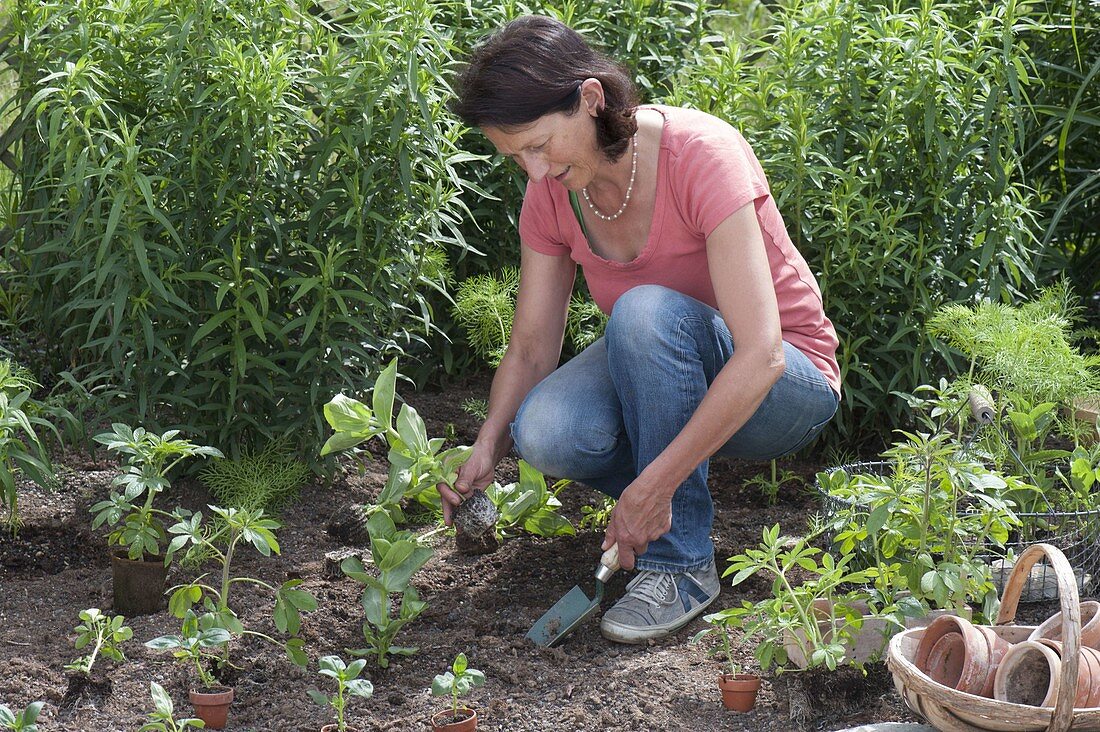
column 555, row 437
column 643, row 312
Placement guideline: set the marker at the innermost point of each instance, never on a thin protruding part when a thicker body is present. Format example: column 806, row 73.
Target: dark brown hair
column 534, row 66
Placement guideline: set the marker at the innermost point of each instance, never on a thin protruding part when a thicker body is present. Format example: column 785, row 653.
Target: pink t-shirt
column 705, row 172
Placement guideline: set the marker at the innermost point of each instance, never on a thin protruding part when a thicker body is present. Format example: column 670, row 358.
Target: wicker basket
column 950, row 710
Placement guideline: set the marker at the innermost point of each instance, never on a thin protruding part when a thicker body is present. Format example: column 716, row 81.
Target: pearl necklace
column 629, row 187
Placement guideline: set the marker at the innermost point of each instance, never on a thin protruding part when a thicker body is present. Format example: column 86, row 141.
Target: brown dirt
column 479, row 604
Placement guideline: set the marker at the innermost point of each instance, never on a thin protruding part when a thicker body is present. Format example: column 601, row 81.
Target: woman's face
column 558, row 145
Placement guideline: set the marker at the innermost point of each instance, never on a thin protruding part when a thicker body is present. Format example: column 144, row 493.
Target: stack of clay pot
column 974, row 659
column 1031, row 671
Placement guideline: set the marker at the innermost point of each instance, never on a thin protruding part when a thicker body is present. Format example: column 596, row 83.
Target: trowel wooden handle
column 609, row 563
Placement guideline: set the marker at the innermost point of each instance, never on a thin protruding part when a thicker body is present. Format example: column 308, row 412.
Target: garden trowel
column 575, row 607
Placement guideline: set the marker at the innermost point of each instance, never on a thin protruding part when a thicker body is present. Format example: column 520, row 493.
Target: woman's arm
column 745, row 292
column 542, row 305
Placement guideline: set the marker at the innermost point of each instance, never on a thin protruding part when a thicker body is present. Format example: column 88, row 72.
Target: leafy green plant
column 928, row 523
column 818, row 615
column 478, row 408
column 221, row 540
column 347, row 682
column 597, row 517
column 273, row 202
column 104, row 633
column 457, row 682
column 148, row 460
column 529, row 505
column 24, row 720
column 267, row 479
column 485, row 306
column 397, row 555
column 199, row 643
column 417, row 464
column 769, row 486
column 162, row 718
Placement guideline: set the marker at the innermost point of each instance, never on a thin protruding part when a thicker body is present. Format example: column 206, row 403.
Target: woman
column 716, row 341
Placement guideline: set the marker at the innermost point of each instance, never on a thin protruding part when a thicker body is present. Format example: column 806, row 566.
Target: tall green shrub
column 233, row 207
column 1062, row 140
column 889, row 136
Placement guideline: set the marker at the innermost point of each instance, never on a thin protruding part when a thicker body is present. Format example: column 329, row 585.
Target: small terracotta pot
column 444, row 721
column 212, row 705
column 739, row 691
column 1031, row 673
column 1051, row 629
column 960, row 655
column 138, row 585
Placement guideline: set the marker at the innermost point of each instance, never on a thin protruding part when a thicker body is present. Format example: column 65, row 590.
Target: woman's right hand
column 475, row 474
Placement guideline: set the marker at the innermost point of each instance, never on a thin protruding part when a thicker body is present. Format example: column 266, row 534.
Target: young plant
column 220, row 541
column 529, row 505
column 598, row 517
column 104, row 633
column 23, row 721
column 269, row 478
column 21, row 450
column 162, row 718
column 148, row 460
column 796, row 612
column 720, row 624
column 770, row 486
column 347, row 682
column 397, row 555
column 457, row 682
column 199, row 644
column 417, row 464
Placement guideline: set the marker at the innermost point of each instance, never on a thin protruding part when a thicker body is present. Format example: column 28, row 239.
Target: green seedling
column 104, row 633
column 24, row 720
column 347, row 682
column 457, row 682
column 196, row 645
column 721, row 624
column 162, row 718
column 417, row 464
column 396, row 555
column 529, row 505
column 598, row 517
column 769, row 486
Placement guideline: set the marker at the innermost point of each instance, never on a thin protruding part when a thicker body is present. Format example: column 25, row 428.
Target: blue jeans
column 607, row 413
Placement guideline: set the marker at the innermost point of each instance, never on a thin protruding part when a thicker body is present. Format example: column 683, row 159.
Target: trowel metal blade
column 563, row 618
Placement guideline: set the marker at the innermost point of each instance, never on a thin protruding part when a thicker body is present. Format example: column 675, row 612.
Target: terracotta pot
column 1051, row 629
column 212, row 705
column 138, row 585
column 1031, row 674
column 445, row 721
column 739, row 691
column 959, row 655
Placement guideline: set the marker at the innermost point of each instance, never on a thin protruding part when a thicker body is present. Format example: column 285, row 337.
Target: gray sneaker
column 658, row 603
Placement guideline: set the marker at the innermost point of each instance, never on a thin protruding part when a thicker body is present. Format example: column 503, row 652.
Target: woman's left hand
column 642, row 514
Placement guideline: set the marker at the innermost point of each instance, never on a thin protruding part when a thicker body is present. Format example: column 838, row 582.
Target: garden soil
column 478, row 604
